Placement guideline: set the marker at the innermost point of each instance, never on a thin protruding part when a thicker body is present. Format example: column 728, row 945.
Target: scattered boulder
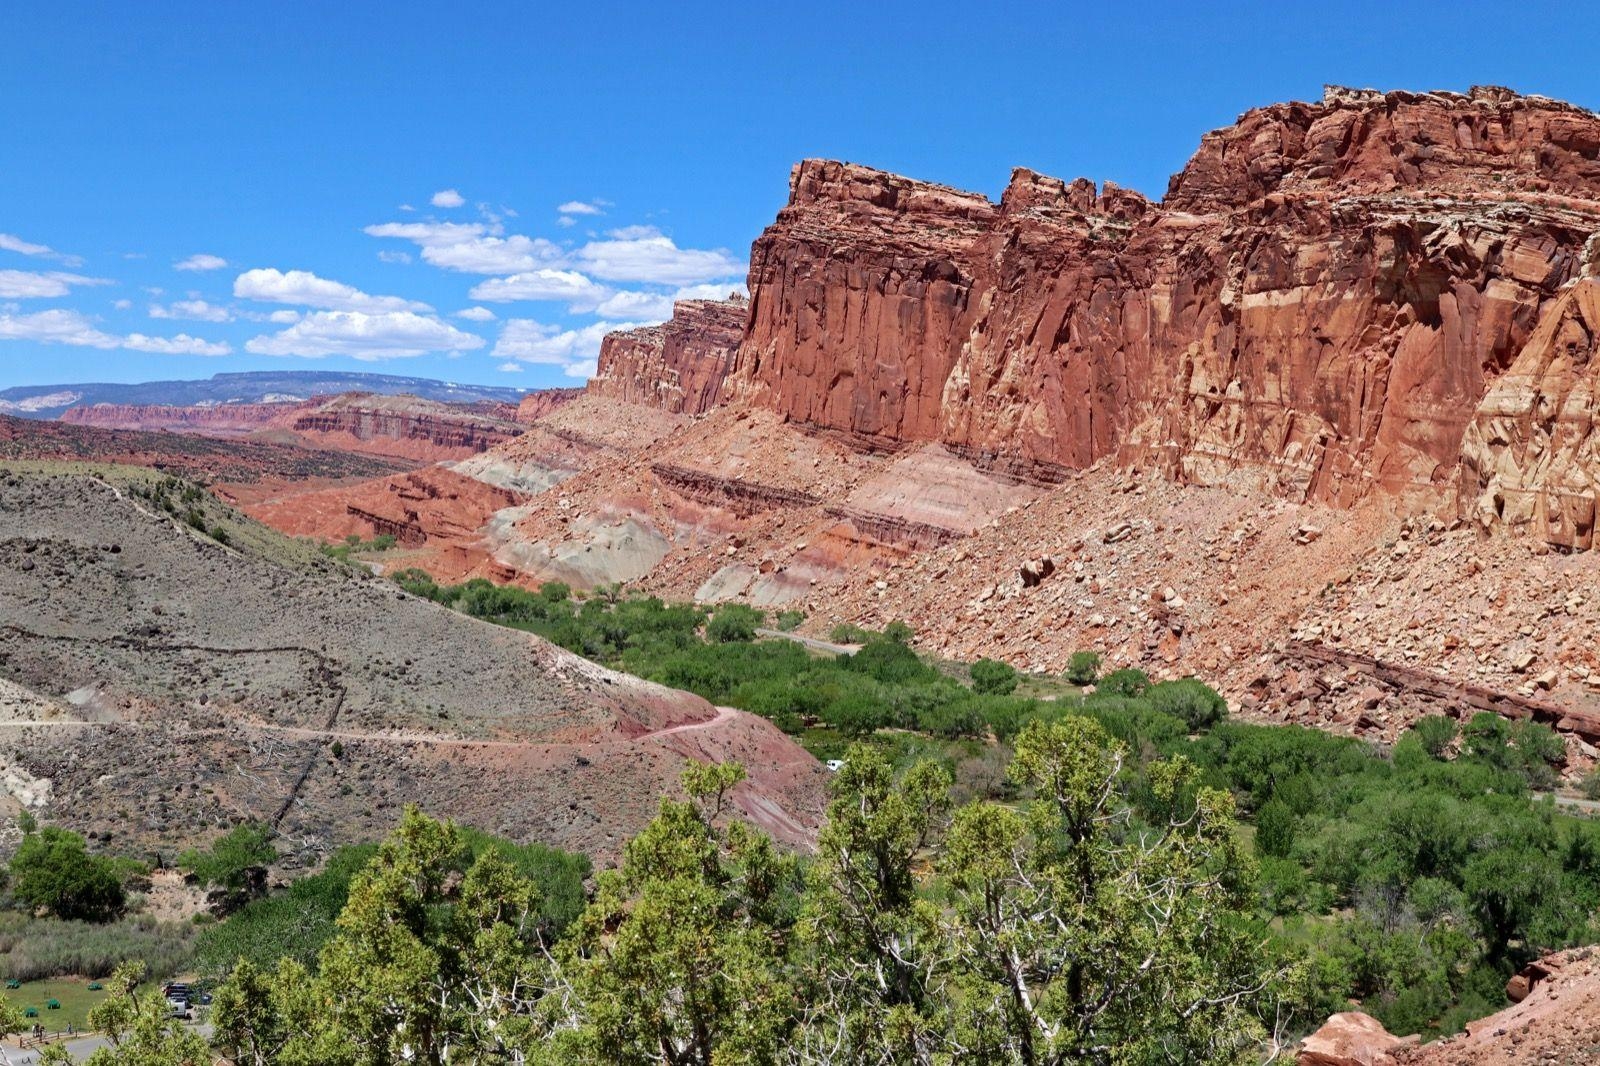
column 1119, row 532
column 1352, row 1039
column 1035, row 571
column 1305, row 533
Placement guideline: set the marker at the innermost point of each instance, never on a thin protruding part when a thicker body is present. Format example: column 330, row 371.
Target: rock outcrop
column 678, row 366
column 1316, row 309
column 541, row 402
column 402, row 426
column 217, row 419
column 1352, row 1039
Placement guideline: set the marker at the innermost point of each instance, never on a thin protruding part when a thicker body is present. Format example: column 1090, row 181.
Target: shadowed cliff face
column 1317, row 309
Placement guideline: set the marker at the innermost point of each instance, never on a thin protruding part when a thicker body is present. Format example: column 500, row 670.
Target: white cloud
column 566, row 220
column 574, row 350
column 645, row 306
column 196, row 310
column 476, row 314
column 61, row 326
column 284, row 318
column 305, row 288
column 566, row 285
column 389, row 255
column 657, row 306
column 642, row 253
column 472, row 247
column 55, row 327
column 201, row 262
column 510, row 368
column 389, row 335
column 584, row 370
column 122, row 305
column 31, row 285
column 10, row 242
column 182, row 344
column 578, row 207
column 447, row 198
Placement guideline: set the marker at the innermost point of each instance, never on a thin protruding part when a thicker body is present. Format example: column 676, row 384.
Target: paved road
column 1571, row 802
column 811, row 642
column 80, row 1047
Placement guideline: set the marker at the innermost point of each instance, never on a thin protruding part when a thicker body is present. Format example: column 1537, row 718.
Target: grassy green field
column 73, row 992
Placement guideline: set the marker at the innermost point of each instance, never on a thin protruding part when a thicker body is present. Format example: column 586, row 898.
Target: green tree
column 52, row 870
column 231, row 860
column 1275, row 829
column 1083, row 668
column 1055, row 955
column 679, row 959
column 992, row 678
column 140, row 1029
column 733, row 623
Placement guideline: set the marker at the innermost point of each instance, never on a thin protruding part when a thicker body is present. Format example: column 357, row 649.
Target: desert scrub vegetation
column 35, row 948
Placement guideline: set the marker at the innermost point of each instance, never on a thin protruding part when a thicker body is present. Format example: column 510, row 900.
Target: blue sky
column 478, row 191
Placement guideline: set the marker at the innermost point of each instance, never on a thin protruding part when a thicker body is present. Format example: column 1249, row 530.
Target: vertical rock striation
column 1316, row 309
column 678, row 366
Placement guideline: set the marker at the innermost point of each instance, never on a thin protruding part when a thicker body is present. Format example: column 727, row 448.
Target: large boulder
column 1352, row 1039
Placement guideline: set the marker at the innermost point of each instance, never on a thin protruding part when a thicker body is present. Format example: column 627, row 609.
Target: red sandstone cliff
column 678, row 366
column 541, row 402
column 401, row 426
column 1317, row 308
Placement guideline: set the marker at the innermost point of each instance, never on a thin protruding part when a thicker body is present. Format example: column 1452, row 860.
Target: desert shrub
column 899, row 632
column 789, row 621
column 38, row 948
column 734, row 623
column 849, row 633
column 992, row 678
column 1083, row 668
column 1197, row 704
column 1128, row 682
column 1435, row 733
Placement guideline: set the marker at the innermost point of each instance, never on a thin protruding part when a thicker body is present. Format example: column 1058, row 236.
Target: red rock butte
column 1381, row 294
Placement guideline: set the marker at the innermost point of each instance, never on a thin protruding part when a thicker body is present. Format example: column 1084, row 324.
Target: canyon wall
column 678, row 366
column 222, row 418
column 402, row 426
column 1317, row 308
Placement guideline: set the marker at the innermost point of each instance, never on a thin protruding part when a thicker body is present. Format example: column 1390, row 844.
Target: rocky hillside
column 162, row 685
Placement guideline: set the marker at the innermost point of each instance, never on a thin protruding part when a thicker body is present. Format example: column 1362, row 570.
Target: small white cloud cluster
column 62, row 326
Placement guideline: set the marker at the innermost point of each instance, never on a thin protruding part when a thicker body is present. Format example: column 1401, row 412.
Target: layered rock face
column 541, row 402
column 402, row 426
column 1316, row 309
column 678, row 366
column 208, row 418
